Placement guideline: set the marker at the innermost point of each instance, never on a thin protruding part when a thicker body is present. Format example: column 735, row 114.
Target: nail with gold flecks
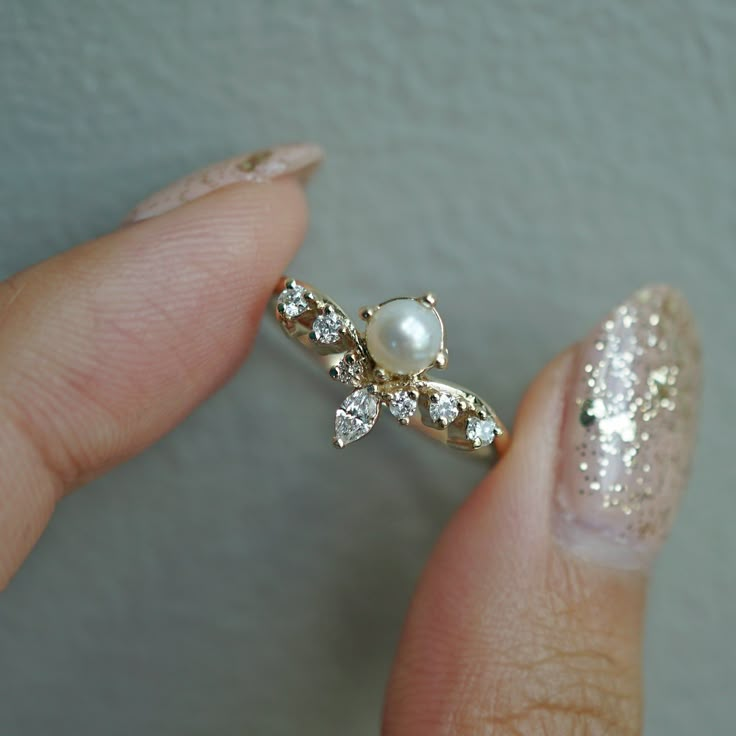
column 629, row 430
column 299, row 160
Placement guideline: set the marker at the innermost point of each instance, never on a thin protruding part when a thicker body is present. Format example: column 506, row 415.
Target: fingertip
column 131, row 331
column 108, row 346
column 502, row 610
column 269, row 219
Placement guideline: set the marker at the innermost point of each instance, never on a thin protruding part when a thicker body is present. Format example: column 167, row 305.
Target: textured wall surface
column 531, row 162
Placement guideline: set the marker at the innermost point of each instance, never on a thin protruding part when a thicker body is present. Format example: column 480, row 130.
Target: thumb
column 528, row 617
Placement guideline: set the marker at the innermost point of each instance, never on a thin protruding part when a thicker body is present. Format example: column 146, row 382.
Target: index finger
column 106, row 347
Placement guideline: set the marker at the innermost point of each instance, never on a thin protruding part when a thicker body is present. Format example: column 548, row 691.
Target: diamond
column 356, row 416
column 481, row 432
column 327, row 327
column 443, row 409
column 292, row 301
column 403, row 404
column 348, row 370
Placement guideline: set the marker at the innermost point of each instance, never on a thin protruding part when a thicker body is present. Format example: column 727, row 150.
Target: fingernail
column 629, row 430
column 299, row 160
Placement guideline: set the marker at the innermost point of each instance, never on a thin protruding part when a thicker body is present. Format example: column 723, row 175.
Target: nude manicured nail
column 298, row 160
column 629, row 430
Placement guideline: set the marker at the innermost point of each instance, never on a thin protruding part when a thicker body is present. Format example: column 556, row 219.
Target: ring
column 388, row 365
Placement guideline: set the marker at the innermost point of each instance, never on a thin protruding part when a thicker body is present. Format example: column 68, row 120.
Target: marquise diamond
column 356, row 416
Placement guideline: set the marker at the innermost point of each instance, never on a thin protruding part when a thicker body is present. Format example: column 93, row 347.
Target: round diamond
column 481, row 431
column 347, row 370
column 292, row 301
column 403, row 405
column 444, row 410
column 327, row 328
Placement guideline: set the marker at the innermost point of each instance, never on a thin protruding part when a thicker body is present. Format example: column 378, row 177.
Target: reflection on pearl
column 404, row 336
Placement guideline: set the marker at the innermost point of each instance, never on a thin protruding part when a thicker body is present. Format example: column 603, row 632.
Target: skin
column 105, row 348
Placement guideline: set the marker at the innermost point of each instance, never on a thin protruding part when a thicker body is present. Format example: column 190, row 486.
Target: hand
column 528, row 617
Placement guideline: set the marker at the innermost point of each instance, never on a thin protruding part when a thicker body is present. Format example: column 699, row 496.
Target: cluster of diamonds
column 407, row 398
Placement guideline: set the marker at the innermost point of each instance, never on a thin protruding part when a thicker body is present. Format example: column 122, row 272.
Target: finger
column 528, row 617
column 106, row 347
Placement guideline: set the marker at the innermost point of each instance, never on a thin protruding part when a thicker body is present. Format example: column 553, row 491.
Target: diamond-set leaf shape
column 356, row 416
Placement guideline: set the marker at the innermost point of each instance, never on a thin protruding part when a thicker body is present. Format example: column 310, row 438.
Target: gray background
column 531, row 163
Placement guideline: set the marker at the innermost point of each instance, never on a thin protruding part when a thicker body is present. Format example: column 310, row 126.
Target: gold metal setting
column 444, row 411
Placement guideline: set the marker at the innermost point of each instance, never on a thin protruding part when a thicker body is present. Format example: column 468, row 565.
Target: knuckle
column 28, row 417
column 44, row 393
column 57, row 399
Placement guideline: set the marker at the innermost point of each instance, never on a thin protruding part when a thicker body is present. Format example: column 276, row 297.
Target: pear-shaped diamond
column 356, row 416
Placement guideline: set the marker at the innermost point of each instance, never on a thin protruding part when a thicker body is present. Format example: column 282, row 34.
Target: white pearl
column 404, row 336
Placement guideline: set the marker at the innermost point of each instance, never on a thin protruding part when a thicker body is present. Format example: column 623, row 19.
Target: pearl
column 404, row 337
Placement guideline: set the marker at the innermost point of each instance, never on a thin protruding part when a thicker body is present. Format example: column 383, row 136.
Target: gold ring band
column 388, row 365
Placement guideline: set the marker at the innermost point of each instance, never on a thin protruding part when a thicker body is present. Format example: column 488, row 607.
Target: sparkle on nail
column 635, row 402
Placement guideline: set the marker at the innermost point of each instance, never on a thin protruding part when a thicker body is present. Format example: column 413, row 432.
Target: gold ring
column 388, row 365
